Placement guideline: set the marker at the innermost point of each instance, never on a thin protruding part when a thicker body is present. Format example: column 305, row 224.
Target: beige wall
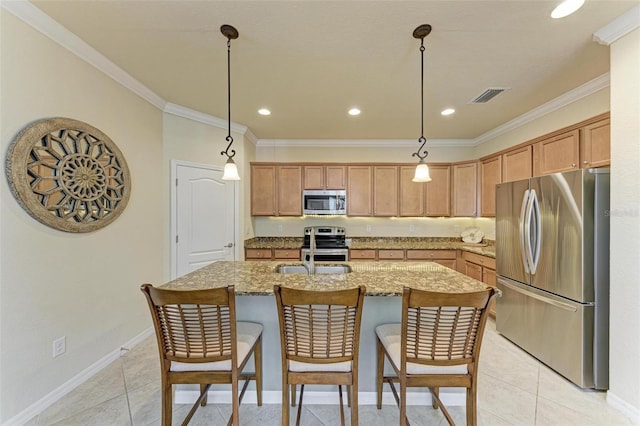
column 52, row 283
column 625, row 221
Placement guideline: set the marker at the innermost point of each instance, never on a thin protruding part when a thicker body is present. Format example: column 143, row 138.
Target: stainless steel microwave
column 324, row 202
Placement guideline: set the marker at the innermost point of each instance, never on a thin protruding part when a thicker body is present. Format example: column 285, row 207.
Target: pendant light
column 422, row 170
column 230, row 168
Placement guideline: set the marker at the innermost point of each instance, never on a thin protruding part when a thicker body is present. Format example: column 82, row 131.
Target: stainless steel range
column 324, row 243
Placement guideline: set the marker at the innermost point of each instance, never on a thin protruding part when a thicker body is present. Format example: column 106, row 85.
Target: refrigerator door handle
column 535, row 214
column 522, row 229
column 539, row 297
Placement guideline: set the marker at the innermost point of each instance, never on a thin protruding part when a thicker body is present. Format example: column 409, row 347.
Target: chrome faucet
column 309, row 260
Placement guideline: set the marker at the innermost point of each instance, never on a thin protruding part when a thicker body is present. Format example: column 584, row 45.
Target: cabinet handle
column 585, row 162
column 573, row 164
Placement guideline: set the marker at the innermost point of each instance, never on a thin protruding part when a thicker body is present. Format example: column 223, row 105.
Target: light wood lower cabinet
column 286, row 254
column 443, row 257
column 360, row 254
column 481, row 268
column 257, row 254
column 393, row 255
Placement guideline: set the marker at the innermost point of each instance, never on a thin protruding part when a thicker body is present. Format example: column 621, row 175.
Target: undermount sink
column 320, row 269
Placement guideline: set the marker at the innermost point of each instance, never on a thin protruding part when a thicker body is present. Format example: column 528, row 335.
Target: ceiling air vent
column 487, row 95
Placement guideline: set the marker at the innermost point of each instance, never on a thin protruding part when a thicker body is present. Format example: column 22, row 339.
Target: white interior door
column 204, row 212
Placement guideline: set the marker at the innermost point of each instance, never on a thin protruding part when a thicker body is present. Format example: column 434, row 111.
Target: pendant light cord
column 229, row 138
column 421, row 155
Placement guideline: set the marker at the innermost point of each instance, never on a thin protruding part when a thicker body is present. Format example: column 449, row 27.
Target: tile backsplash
column 374, row 226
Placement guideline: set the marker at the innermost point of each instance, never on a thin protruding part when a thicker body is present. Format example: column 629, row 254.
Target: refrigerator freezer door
column 565, row 267
column 511, row 201
column 557, row 331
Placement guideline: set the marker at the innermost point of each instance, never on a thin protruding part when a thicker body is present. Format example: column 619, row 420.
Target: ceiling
column 310, row 61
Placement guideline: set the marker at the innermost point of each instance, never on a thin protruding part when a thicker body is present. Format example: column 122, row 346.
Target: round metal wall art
column 68, row 175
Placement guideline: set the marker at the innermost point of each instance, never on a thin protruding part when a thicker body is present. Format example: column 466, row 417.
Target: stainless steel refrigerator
column 552, row 262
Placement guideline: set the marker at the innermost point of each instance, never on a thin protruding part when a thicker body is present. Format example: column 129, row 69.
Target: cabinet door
column 290, row 191
column 359, row 191
column 473, row 270
column 489, row 278
column 465, row 183
column 411, row 199
column 595, row 150
column 263, row 190
column 335, row 177
column 517, row 164
column 385, row 191
column 490, row 175
column 557, row 154
column 438, row 191
column 313, row 177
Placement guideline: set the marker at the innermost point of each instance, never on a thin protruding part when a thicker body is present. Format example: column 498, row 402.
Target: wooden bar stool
column 200, row 342
column 437, row 345
column 320, row 336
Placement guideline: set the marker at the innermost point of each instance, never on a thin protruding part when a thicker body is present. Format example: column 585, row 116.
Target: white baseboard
column 450, row 398
column 624, row 407
column 53, row 396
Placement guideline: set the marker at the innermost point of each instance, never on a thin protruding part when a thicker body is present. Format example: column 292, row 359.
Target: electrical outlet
column 280, row 228
column 59, row 346
column 412, row 228
column 369, row 228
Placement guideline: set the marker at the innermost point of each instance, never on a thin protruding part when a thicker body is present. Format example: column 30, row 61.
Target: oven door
column 326, row 255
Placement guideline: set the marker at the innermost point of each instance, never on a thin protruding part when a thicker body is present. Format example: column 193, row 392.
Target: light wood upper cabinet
column 490, row 176
column 517, row 164
column 276, row 190
column 559, row 153
column 325, row 177
column 359, row 190
column 417, row 199
column 385, row 191
column 263, row 190
column 595, row 148
column 465, row 184
column 412, row 194
column 289, row 191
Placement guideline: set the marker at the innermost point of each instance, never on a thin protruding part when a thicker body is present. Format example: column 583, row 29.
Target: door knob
column 229, row 245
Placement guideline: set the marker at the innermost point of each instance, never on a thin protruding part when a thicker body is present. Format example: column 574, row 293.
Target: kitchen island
column 384, row 281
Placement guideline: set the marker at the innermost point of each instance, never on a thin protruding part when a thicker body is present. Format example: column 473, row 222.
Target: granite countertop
column 487, row 248
column 380, row 278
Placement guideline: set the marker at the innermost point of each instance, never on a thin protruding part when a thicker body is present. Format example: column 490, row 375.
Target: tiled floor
column 513, row 389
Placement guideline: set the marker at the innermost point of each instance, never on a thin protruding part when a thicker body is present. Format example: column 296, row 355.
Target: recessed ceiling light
column 354, row 111
column 566, row 8
column 447, row 111
column 264, row 111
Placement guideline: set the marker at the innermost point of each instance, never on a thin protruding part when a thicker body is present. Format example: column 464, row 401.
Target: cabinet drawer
column 487, row 262
column 416, row 254
column 257, row 254
column 286, row 254
column 362, row 254
column 390, row 254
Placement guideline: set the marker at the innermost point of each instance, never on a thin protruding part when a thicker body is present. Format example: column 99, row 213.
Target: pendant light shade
column 422, row 170
column 230, row 171
column 230, row 168
column 422, row 173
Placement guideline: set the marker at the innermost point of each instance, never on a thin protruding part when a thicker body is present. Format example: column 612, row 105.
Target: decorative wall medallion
column 68, row 175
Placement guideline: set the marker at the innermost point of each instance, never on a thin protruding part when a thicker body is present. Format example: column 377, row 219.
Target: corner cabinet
column 481, row 268
column 490, row 176
column 276, row 190
column 465, row 184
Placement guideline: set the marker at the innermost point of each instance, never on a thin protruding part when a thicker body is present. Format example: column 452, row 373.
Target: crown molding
column 619, row 27
column 561, row 101
column 360, row 143
column 43, row 23
column 201, row 117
